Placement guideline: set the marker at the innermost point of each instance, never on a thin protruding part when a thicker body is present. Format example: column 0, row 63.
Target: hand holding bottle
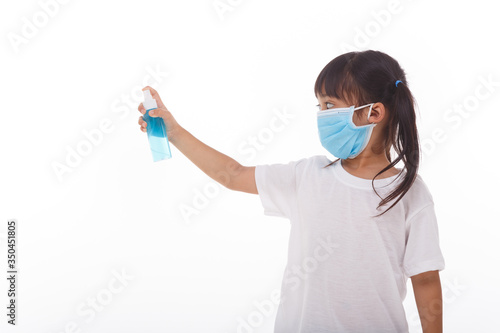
column 158, row 122
column 162, row 111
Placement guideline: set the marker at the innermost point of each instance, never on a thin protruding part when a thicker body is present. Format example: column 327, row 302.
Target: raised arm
column 428, row 296
column 216, row 165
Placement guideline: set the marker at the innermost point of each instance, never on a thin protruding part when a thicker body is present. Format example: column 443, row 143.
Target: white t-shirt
column 346, row 271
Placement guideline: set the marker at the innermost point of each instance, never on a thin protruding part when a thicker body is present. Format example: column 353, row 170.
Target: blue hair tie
column 397, row 82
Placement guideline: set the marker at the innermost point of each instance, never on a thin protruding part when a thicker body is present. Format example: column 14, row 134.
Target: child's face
column 359, row 116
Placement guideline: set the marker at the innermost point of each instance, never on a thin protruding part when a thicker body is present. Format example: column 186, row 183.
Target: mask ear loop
column 369, row 112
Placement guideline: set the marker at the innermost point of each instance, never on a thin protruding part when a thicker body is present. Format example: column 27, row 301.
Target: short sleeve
column 422, row 252
column 276, row 184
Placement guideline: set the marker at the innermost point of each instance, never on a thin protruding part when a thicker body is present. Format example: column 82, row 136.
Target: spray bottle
column 157, row 134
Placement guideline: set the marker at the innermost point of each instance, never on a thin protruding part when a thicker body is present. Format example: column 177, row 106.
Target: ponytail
column 403, row 136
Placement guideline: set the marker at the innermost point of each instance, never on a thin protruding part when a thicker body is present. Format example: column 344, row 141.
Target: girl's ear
column 377, row 114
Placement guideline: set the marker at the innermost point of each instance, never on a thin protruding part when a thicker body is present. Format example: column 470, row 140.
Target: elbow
column 242, row 178
column 229, row 177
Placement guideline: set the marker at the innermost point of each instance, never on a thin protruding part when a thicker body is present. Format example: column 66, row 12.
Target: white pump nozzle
column 149, row 102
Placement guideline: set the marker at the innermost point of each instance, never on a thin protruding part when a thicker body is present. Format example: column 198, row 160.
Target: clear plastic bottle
column 157, row 133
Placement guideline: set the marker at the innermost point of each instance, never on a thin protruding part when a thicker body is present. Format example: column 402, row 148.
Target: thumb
column 158, row 112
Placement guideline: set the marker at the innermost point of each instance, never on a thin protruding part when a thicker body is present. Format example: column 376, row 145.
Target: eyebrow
column 328, row 98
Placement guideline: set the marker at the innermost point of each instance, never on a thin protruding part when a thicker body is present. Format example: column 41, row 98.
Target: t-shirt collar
column 355, row 181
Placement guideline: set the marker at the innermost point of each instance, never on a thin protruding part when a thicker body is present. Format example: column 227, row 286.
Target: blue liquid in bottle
column 157, row 133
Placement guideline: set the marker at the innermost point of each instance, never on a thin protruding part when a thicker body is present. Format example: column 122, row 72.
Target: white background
column 223, row 77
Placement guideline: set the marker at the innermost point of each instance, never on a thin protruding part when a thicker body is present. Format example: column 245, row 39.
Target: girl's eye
column 328, row 106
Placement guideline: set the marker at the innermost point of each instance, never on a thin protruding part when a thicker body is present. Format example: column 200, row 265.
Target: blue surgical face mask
column 338, row 133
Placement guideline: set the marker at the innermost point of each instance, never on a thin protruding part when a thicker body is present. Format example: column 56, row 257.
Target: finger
column 158, row 112
column 155, row 95
column 153, row 91
column 141, row 109
column 143, row 124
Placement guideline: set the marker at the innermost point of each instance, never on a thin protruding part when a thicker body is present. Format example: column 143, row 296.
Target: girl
column 347, row 265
